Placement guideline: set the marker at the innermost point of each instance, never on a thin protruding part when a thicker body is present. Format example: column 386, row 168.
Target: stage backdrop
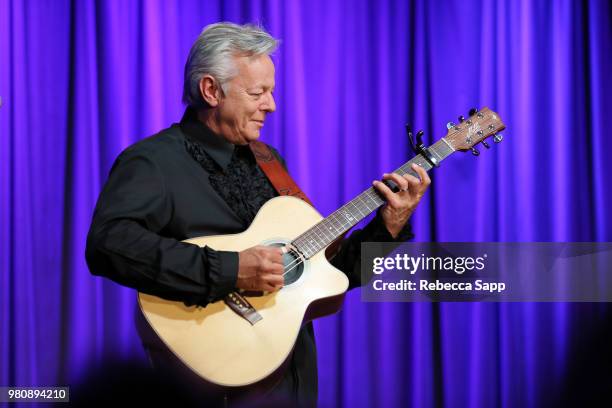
column 82, row 80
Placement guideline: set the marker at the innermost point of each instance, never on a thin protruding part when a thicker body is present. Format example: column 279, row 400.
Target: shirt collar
column 216, row 146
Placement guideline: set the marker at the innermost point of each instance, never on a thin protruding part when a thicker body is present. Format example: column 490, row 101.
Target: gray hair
column 212, row 53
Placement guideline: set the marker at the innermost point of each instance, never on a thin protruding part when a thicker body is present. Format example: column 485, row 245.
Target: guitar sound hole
column 293, row 265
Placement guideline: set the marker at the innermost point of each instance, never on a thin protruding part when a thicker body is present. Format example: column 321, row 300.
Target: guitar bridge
column 242, row 307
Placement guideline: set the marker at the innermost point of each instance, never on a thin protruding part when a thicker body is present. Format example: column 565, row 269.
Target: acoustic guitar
column 247, row 338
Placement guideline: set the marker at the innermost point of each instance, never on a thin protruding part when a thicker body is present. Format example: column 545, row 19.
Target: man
column 200, row 178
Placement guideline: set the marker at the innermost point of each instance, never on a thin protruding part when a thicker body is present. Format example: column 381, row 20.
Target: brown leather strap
column 276, row 173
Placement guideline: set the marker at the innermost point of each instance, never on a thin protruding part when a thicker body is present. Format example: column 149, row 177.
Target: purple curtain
column 81, row 80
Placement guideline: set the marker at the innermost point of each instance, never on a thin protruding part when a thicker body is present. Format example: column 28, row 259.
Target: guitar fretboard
column 344, row 218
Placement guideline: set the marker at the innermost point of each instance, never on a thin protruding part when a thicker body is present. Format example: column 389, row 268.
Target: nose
column 270, row 105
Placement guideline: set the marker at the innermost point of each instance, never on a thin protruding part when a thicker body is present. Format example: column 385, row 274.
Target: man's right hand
column 260, row 268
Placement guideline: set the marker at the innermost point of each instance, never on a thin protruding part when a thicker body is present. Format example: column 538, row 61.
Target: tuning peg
column 485, row 144
column 461, row 118
column 474, row 151
column 450, row 125
column 498, row 138
column 473, row 111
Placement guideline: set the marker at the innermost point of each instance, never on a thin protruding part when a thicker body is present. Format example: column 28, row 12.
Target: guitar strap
column 275, row 172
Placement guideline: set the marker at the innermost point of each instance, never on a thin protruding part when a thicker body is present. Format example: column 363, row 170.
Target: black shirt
column 186, row 182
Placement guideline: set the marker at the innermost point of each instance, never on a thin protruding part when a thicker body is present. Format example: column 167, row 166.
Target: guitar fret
column 434, row 152
column 324, row 232
column 363, row 201
column 448, row 145
column 316, row 234
column 342, row 221
column 356, row 207
column 331, row 228
column 374, row 198
column 337, row 225
column 310, row 246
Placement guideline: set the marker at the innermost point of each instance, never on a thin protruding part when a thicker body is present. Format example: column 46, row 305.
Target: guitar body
column 223, row 348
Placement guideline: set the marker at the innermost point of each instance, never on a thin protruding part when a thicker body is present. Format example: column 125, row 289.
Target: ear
column 210, row 91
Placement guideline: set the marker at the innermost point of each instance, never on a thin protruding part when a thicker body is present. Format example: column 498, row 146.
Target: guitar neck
column 344, row 218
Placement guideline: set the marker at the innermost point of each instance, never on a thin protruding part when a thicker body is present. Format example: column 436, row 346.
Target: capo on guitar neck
column 418, row 147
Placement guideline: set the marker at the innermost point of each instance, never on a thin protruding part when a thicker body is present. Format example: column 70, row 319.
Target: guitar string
column 296, row 263
column 298, row 260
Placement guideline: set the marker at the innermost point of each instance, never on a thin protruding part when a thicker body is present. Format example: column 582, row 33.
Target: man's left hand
column 401, row 205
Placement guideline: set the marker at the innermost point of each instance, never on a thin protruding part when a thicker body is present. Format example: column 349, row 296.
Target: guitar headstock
column 477, row 128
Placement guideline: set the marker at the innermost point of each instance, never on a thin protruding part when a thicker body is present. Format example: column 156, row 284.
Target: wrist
column 393, row 230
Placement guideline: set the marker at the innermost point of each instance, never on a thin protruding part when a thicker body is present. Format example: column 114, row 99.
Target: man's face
column 242, row 110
